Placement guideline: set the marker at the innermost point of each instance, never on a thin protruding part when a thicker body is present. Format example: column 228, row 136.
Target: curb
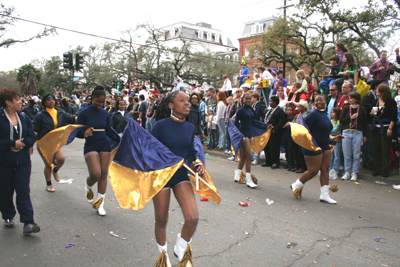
column 364, row 175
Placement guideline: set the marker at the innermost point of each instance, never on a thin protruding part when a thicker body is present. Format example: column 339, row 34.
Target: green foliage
column 55, row 77
column 29, row 77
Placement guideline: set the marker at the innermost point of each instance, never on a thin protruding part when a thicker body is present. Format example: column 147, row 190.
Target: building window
column 200, row 34
column 257, row 28
column 209, row 36
column 172, row 32
column 227, row 58
column 255, row 56
column 217, row 38
column 247, row 51
column 236, row 57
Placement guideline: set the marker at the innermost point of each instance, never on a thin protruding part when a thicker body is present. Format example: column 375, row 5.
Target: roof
column 256, row 27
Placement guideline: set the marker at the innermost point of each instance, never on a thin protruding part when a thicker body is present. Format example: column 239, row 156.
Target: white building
column 201, row 36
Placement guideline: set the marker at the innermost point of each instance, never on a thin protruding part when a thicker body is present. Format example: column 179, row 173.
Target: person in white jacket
column 221, row 106
column 227, row 86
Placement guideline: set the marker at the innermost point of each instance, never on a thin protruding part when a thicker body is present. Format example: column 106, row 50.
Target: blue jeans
column 325, row 84
column 213, row 135
column 335, row 157
column 256, row 156
column 352, row 142
column 150, row 123
column 267, row 91
column 228, row 140
column 222, row 133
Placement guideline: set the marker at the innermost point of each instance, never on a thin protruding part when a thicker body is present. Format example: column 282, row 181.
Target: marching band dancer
column 97, row 148
column 48, row 119
column 177, row 135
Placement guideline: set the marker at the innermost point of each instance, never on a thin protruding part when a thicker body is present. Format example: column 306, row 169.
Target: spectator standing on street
column 151, row 113
column 336, row 153
column 221, row 106
column 195, row 115
column 142, row 110
column 277, row 118
column 16, row 140
column 120, row 118
column 211, row 101
column 353, row 119
column 230, row 111
column 30, row 110
column 384, row 119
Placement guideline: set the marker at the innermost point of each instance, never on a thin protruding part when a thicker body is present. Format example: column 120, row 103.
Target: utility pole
column 284, row 41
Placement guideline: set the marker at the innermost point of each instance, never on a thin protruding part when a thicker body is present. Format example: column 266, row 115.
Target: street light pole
column 284, row 44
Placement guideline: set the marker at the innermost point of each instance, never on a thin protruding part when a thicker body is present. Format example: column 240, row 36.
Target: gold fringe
column 96, row 204
column 254, row 179
column 187, row 257
column 242, row 178
column 89, row 194
column 333, row 188
column 297, row 192
column 162, row 260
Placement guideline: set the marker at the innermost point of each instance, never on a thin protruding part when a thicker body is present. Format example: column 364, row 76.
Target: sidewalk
column 364, row 174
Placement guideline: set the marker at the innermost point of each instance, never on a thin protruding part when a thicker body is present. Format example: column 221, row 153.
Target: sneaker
column 229, row 152
column 30, row 228
column 226, row 151
column 333, row 174
column 231, row 158
column 396, row 187
column 255, row 162
column 9, row 223
column 346, row 176
column 353, row 177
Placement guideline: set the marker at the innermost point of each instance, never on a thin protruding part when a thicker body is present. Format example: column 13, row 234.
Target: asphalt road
column 289, row 232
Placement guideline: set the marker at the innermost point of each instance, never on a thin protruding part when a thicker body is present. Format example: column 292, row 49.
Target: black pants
column 290, row 155
column 273, row 149
column 299, row 157
column 144, row 119
column 381, row 144
column 16, row 178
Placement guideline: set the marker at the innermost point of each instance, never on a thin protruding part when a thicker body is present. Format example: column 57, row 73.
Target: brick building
column 247, row 42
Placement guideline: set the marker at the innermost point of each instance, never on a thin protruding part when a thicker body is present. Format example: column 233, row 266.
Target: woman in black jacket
column 194, row 115
column 16, row 139
column 45, row 121
column 120, row 118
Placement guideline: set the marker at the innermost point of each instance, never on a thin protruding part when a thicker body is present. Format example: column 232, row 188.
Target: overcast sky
column 110, row 18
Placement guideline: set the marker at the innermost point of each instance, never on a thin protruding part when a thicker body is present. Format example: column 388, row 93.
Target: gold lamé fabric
column 204, row 191
column 258, row 143
column 302, row 137
column 133, row 188
column 49, row 144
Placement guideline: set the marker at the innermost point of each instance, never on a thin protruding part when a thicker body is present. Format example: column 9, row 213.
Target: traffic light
column 121, row 85
column 78, row 62
column 115, row 84
column 67, row 61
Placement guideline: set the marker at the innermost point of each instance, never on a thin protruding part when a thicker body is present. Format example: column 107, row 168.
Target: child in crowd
column 212, row 128
column 335, row 157
column 333, row 74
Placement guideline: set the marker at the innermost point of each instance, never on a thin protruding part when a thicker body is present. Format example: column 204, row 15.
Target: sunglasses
column 332, row 90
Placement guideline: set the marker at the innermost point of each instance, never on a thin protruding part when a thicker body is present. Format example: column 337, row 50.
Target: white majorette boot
column 183, row 250
column 163, row 259
column 89, row 195
column 249, row 180
column 237, row 175
column 99, row 204
column 297, row 188
column 325, row 195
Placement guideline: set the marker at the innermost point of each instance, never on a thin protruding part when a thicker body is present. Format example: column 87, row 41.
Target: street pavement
column 289, row 232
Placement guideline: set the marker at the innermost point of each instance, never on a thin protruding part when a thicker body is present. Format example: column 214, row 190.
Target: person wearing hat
column 265, row 75
column 279, row 77
column 244, row 74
